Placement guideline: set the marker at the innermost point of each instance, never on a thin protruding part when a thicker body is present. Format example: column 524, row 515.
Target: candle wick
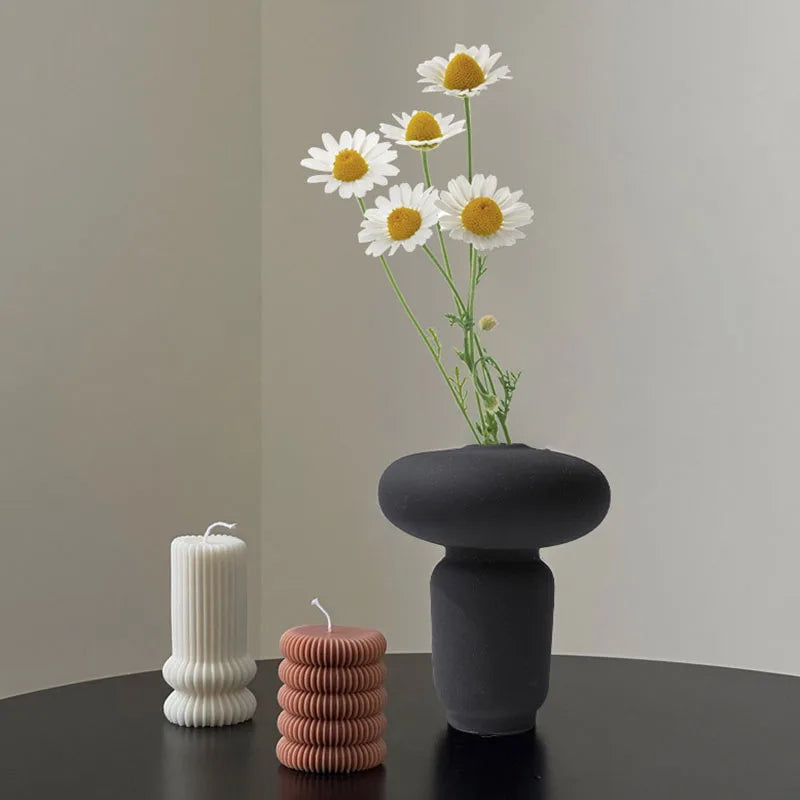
column 229, row 525
column 315, row 602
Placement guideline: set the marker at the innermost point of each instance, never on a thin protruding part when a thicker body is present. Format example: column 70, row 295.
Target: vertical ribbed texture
column 210, row 666
column 332, row 699
column 340, row 647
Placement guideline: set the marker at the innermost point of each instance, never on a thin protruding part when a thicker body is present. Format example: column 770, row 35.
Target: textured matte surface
column 492, row 621
column 491, row 597
column 494, row 497
column 610, row 730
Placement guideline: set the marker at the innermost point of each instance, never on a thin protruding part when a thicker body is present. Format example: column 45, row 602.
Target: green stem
column 431, row 349
column 460, row 306
column 428, row 184
column 425, row 168
column 479, row 351
column 469, row 137
column 488, row 375
column 469, row 338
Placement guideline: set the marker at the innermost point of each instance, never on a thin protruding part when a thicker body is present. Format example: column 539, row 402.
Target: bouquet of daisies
column 473, row 210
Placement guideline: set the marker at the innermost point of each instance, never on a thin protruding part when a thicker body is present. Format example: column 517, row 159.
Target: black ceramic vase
column 493, row 507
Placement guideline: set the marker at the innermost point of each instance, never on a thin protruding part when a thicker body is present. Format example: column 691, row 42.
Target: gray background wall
column 129, row 319
column 652, row 309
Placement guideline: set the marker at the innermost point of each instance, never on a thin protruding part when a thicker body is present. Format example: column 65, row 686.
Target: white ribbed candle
column 210, row 666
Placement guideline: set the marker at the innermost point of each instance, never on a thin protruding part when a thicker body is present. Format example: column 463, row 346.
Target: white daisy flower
column 353, row 164
column 482, row 215
column 405, row 218
column 467, row 72
column 422, row 130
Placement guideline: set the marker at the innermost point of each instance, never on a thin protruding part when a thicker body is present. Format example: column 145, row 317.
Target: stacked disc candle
column 332, row 699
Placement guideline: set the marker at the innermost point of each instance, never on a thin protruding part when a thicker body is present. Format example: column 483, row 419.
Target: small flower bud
column 487, row 322
column 492, row 404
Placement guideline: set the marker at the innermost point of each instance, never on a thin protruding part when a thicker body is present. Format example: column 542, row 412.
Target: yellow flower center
column 349, row 166
column 422, row 127
column 403, row 223
column 482, row 216
column 463, row 72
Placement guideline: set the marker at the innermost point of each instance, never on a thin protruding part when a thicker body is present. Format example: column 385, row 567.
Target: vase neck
column 481, row 554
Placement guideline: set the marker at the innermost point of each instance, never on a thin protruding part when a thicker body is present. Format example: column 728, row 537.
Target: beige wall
column 129, row 319
column 653, row 309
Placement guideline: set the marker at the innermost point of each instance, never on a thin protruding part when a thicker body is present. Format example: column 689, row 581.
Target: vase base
column 490, row 728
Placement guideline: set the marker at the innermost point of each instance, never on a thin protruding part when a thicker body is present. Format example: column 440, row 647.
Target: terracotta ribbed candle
column 338, row 647
column 312, row 758
column 331, row 732
column 312, row 705
column 332, row 698
column 331, row 680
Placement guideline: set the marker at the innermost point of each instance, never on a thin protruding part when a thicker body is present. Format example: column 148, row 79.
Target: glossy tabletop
column 611, row 728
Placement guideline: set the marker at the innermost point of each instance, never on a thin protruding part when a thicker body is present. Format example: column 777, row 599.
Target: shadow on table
column 368, row 785
column 207, row 762
column 473, row 768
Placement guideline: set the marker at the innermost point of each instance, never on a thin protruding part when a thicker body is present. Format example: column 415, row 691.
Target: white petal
column 449, row 223
column 458, row 233
column 461, row 191
column 383, row 158
column 376, row 249
column 520, row 215
column 331, row 145
column 392, row 131
column 501, row 197
column 314, row 163
column 491, row 61
column 501, row 73
column 370, row 142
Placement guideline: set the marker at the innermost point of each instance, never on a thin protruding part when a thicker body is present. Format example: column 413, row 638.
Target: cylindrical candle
column 332, row 699
column 210, row 666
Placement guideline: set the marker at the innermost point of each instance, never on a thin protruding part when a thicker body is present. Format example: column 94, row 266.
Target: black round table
column 610, row 728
